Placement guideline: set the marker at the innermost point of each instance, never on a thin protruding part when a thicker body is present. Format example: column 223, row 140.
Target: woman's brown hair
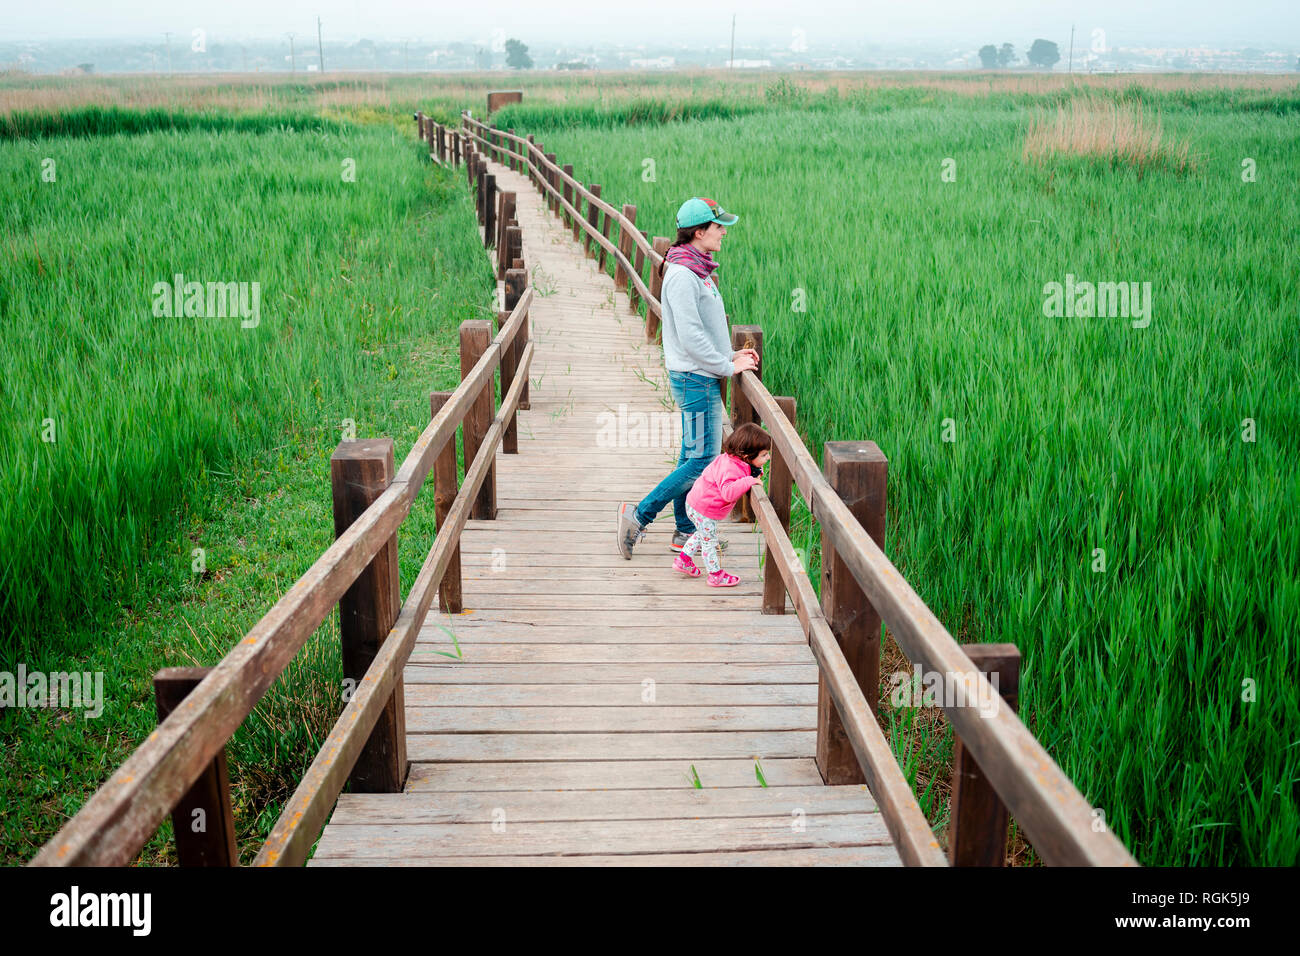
column 747, row 441
column 683, row 237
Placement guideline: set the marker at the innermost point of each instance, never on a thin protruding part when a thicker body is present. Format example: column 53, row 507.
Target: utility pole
column 731, row 64
column 320, row 47
column 1070, row 67
column 169, row 53
column 293, row 64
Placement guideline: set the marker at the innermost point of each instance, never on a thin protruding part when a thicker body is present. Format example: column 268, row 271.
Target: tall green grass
column 114, row 120
column 177, row 433
column 1164, row 685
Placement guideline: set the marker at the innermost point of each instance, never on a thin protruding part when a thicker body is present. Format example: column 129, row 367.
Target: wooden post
column 653, row 314
column 203, row 820
column 638, row 266
column 442, row 144
column 419, row 123
column 576, row 221
column 475, row 337
column 857, row 471
column 551, row 178
column 604, row 231
column 625, row 247
column 977, row 831
column 505, row 215
column 480, row 176
column 778, row 492
column 514, row 247
column 516, row 283
column 742, row 410
column 444, row 493
column 512, row 151
column 455, row 142
column 509, row 366
column 593, row 212
column 528, row 156
column 489, row 210
column 360, row 471
column 567, row 191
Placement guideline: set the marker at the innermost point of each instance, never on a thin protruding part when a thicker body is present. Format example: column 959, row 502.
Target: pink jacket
column 724, row 480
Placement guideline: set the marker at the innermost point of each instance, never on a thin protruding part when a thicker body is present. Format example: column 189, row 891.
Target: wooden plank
column 460, row 672
column 587, row 653
column 621, row 637
column 609, row 774
column 605, row 836
column 703, row 619
column 821, row 856
column 709, row 597
column 558, row 805
column 611, row 695
column 656, row 745
column 619, row 718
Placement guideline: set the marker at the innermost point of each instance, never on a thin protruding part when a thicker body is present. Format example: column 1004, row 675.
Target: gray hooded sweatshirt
column 696, row 337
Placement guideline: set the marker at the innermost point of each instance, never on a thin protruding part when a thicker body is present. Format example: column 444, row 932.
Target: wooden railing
column 1000, row 769
column 181, row 770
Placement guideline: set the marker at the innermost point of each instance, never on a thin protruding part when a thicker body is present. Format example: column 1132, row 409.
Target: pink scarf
column 701, row 263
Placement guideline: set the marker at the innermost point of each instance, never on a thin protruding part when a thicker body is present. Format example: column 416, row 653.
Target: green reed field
column 176, row 433
column 1163, row 684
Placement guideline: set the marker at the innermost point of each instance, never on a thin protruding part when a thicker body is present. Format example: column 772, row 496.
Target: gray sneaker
column 629, row 530
column 679, row 541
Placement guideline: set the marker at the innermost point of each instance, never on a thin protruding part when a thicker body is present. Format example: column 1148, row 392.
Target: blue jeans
column 700, row 399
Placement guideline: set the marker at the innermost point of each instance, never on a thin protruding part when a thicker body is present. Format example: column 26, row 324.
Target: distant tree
column 1006, row 55
column 517, row 57
column 86, row 67
column 1044, row 53
column 483, row 58
column 989, row 56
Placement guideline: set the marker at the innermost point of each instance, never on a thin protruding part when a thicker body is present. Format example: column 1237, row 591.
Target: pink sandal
column 721, row 579
column 685, row 565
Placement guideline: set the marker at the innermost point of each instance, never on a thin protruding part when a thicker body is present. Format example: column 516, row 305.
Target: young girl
column 714, row 494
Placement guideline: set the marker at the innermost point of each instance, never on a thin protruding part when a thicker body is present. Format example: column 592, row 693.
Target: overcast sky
column 1270, row 24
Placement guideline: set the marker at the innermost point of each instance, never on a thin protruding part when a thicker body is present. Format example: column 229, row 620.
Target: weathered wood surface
column 580, row 689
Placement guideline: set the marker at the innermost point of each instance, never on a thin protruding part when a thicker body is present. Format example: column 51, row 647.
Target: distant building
column 655, row 63
column 755, row 64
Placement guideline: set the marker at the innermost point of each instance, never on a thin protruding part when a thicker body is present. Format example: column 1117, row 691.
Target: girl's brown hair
column 683, row 237
column 747, row 442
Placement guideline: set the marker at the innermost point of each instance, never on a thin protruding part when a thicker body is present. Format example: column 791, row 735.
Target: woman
column 698, row 355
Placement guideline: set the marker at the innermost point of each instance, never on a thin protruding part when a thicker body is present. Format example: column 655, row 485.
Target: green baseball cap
column 696, row 211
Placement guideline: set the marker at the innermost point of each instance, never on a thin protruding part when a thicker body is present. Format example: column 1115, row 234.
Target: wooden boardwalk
column 591, row 685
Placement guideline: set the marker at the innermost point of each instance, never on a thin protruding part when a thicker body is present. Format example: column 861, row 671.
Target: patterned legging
column 705, row 537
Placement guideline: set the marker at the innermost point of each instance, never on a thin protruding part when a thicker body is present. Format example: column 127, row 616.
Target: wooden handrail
column 537, row 161
column 1058, row 820
column 907, row 825
column 542, row 161
column 121, row 816
column 307, row 810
